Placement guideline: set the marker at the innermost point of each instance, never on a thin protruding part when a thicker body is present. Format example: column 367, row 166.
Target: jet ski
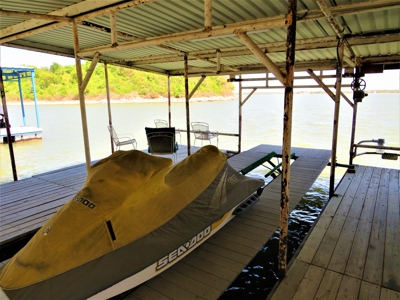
column 135, row 216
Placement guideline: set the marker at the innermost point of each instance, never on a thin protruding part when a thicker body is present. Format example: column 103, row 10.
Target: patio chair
column 161, row 141
column 202, row 132
column 161, row 123
column 122, row 140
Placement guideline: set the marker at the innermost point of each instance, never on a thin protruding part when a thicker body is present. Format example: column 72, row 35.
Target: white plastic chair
column 202, row 132
column 161, row 123
column 122, row 140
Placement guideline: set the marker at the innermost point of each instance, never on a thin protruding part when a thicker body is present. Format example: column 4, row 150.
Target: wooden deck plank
column 210, row 276
column 214, row 275
column 376, row 250
column 349, row 288
column 33, row 201
column 146, row 293
column 391, row 276
column 328, row 243
column 310, row 283
column 168, row 289
column 288, row 287
column 329, row 286
column 215, row 259
column 188, row 284
column 369, row 291
column 356, row 262
column 387, row 294
column 338, row 261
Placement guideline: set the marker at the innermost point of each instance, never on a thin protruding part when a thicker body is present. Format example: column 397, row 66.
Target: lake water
column 62, row 142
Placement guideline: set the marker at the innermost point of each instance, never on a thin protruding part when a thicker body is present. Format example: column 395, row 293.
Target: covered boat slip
column 353, row 250
column 28, row 203
column 210, row 269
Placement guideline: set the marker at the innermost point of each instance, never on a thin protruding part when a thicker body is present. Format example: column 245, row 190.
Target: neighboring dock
column 353, row 251
column 22, row 133
column 211, row 268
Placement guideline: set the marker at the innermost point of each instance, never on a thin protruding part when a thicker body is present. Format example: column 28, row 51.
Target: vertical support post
column 21, row 99
column 353, row 132
column 108, row 104
column 240, row 114
column 35, row 99
column 9, row 138
column 207, row 15
column 218, row 61
column 338, row 87
column 287, row 135
column 113, row 25
column 81, row 94
column 187, row 102
column 169, row 101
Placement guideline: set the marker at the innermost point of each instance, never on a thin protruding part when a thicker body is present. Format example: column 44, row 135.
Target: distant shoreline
column 174, row 100
column 135, row 100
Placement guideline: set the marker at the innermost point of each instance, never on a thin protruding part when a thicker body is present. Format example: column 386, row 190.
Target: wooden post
column 113, row 26
column 353, row 132
column 240, row 114
column 336, row 116
column 81, row 95
column 108, row 104
column 287, row 135
column 169, row 101
column 9, row 138
column 187, row 103
column 207, row 15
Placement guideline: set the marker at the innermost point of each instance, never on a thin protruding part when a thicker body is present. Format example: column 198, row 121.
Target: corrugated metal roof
column 154, row 35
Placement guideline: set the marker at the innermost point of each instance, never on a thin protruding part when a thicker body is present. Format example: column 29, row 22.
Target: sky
column 11, row 57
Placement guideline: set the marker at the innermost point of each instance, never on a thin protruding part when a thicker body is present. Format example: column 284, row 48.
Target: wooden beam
column 274, row 47
column 90, row 71
column 321, row 84
column 197, row 86
column 249, row 95
column 332, row 21
column 30, row 15
column 267, row 62
column 30, row 27
column 187, row 35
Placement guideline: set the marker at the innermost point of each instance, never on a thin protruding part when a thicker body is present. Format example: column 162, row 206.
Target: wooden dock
column 353, row 251
column 21, row 133
column 211, row 268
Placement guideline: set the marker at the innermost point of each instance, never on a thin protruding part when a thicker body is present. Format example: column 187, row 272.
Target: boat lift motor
column 358, row 86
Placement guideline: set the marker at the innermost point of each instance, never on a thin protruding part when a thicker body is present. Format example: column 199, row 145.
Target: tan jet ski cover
column 132, row 209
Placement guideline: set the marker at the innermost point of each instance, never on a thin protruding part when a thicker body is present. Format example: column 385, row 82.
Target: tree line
column 59, row 82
